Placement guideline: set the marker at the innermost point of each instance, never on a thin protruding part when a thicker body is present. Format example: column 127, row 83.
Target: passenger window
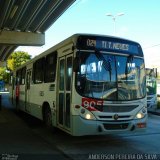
column 38, row 73
column 50, row 67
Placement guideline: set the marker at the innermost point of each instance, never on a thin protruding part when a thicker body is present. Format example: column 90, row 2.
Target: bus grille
column 111, row 117
column 115, row 126
column 111, row 108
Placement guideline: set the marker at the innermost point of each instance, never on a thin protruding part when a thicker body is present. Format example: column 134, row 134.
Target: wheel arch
column 45, row 106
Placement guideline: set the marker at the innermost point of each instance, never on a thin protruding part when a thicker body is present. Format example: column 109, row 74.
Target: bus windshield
column 151, row 86
column 113, row 77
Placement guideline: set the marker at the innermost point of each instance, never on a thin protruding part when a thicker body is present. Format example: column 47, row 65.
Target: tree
column 16, row 59
column 3, row 74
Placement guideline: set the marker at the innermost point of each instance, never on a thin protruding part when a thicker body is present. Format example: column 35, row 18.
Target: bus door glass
column 64, row 91
column 27, row 91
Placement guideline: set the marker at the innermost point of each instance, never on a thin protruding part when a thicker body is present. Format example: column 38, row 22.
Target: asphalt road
column 27, row 138
column 18, row 141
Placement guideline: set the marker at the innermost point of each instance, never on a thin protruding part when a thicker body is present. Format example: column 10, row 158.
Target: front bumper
column 95, row 127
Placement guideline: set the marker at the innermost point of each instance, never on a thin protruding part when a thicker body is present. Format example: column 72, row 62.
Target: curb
column 154, row 112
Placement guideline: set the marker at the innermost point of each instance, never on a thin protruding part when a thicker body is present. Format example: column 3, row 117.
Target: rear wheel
column 47, row 117
column 17, row 104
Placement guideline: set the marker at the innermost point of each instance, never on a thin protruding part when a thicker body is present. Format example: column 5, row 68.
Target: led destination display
column 109, row 44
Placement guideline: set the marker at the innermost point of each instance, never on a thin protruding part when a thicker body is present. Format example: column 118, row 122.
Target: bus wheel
column 48, row 118
column 17, row 105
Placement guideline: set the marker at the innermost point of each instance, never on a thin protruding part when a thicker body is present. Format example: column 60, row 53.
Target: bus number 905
column 89, row 102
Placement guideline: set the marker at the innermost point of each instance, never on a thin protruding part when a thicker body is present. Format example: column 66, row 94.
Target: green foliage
column 2, row 72
column 16, row 59
column 4, row 75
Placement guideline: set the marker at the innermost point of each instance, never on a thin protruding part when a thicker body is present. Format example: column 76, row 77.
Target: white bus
column 151, row 83
column 85, row 85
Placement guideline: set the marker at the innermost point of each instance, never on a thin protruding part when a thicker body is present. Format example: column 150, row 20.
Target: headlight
column 139, row 115
column 86, row 114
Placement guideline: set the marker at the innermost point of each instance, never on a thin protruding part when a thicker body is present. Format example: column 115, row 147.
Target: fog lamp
column 141, row 125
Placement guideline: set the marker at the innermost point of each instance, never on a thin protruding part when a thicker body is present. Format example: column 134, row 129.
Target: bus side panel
column 40, row 94
column 21, row 103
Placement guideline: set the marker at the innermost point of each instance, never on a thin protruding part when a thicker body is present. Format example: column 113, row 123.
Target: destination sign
column 109, row 44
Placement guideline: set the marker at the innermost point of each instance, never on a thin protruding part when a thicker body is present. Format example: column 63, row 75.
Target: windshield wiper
column 106, row 64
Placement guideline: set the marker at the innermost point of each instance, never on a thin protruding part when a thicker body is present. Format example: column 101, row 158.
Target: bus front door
column 64, row 92
column 27, row 91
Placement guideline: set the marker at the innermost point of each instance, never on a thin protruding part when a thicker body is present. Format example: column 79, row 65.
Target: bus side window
column 18, row 77
column 28, row 80
column 23, row 74
column 50, row 67
column 38, row 71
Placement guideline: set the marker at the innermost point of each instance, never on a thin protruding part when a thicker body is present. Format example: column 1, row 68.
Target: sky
column 140, row 22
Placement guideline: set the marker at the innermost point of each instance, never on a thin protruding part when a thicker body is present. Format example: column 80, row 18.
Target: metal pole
column 114, row 19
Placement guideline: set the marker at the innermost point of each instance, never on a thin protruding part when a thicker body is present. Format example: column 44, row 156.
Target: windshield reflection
column 113, row 78
column 151, row 86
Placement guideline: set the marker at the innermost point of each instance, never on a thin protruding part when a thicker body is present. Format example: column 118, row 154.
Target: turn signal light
column 141, row 125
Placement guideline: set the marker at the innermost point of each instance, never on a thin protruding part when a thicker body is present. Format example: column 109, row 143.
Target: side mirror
column 76, row 67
